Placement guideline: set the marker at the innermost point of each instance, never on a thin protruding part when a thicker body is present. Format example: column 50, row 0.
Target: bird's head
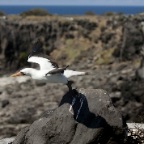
column 25, row 71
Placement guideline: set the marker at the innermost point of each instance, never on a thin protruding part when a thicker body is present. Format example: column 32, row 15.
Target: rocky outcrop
column 132, row 38
column 95, row 120
column 122, row 34
column 18, row 38
column 93, row 44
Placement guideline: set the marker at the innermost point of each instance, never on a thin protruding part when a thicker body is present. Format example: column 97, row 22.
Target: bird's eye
column 23, row 73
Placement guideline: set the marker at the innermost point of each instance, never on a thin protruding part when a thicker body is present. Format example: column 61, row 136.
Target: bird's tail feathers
column 70, row 73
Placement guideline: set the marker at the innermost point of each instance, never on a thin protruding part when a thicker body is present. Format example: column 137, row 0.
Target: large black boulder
column 95, row 121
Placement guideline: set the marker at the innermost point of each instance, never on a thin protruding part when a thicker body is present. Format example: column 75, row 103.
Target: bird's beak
column 16, row 74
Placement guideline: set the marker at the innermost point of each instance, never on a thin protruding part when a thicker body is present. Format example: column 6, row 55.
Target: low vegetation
column 35, row 12
column 2, row 13
column 71, row 50
column 109, row 13
column 90, row 13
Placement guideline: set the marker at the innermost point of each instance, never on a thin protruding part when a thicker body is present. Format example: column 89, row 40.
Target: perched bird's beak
column 17, row 74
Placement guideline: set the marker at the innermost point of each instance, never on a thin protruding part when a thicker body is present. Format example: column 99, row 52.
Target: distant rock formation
column 122, row 34
column 140, row 70
column 95, row 120
column 132, row 41
column 17, row 36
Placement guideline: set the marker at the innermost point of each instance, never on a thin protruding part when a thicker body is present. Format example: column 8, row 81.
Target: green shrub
column 35, row 12
column 2, row 13
column 109, row 13
column 89, row 13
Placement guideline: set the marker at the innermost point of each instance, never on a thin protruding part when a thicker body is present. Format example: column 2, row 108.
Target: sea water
column 74, row 10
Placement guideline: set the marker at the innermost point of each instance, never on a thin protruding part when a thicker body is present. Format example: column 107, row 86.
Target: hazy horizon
column 75, row 2
column 69, row 5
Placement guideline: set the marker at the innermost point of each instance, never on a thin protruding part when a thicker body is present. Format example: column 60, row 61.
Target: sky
column 72, row 2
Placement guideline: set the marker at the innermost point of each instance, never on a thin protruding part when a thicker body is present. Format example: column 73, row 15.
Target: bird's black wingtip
column 37, row 47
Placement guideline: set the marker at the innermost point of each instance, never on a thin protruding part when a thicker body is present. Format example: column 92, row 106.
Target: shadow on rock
column 95, row 120
column 79, row 104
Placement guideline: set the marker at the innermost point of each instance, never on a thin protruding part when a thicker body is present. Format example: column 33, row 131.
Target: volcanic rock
column 95, row 120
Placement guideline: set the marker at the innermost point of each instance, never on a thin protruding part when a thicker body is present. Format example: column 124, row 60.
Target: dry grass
column 104, row 57
column 70, row 50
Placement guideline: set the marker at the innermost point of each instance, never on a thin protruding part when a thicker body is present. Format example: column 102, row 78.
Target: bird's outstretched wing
column 44, row 63
column 37, row 47
column 34, row 57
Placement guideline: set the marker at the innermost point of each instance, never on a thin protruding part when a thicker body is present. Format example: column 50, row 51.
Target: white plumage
column 48, row 71
column 44, row 63
column 70, row 73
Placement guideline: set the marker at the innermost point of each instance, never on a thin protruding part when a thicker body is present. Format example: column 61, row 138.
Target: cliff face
column 107, row 47
column 69, row 38
column 63, row 37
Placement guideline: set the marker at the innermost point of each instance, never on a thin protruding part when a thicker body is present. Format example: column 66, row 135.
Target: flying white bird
column 49, row 71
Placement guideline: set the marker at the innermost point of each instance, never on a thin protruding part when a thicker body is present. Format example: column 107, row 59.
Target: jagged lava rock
column 95, row 120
